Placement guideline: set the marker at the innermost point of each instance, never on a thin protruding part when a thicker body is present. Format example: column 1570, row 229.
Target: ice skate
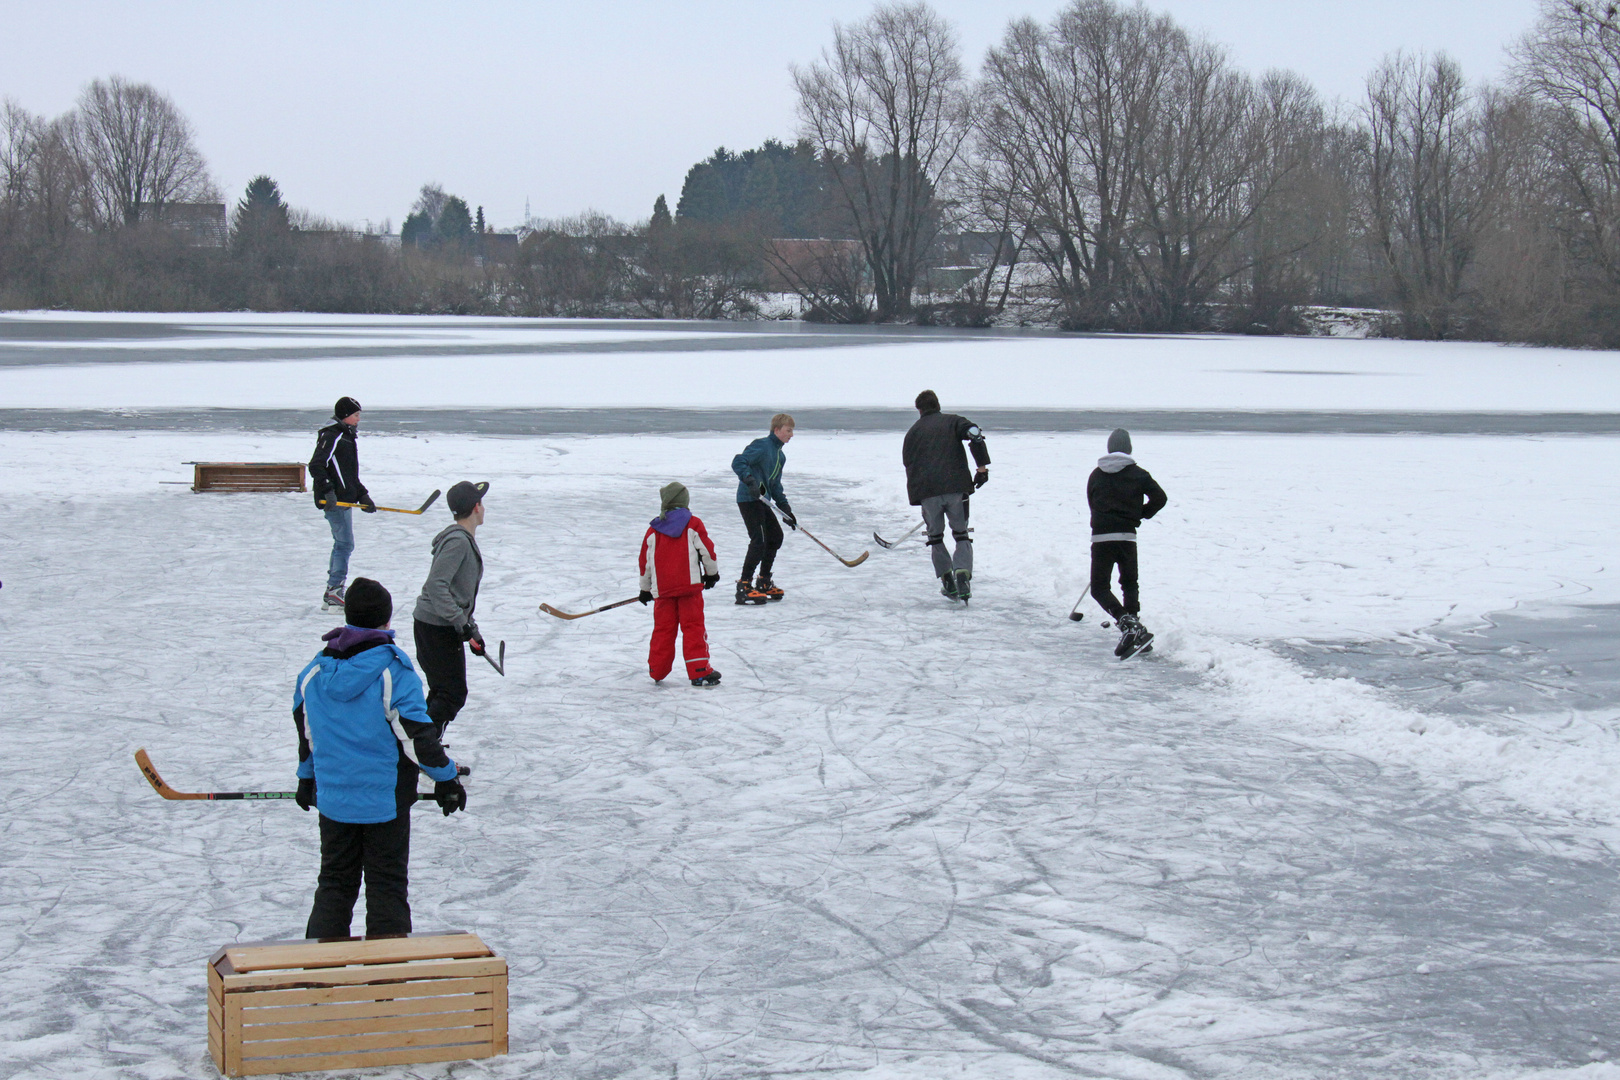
column 964, row 585
column 1134, row 637
column 333, row 597
column 768, row 587
column 747, row 594
column 708, row 678
column 947, row 586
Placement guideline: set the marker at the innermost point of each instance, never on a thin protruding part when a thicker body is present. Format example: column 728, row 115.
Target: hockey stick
column 909, row 534
column 500, row 668
column 395, row 510
column 163, row 789
column 549, row 610
column 856, row 561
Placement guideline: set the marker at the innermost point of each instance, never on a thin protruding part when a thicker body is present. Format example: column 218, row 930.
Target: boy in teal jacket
column 759, row 475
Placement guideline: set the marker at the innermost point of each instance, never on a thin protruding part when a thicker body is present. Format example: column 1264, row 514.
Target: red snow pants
column 684, row 613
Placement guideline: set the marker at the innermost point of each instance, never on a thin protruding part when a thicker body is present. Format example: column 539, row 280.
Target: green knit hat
column 673, row 495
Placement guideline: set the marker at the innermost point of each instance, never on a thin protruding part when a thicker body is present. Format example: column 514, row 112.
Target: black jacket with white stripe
column 335, row 466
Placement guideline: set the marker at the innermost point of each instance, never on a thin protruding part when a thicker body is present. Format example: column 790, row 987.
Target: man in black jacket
column 334, row 469
column 937, row 479
column 1122, row 495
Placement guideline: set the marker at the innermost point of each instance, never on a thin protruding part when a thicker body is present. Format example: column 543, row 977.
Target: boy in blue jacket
column 363, row 734
column 759, row 478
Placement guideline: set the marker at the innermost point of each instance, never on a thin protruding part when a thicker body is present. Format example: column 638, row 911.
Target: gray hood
column 1113, row 463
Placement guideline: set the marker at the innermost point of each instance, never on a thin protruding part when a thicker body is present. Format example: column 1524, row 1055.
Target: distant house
column 494, row 247
column 205, row 224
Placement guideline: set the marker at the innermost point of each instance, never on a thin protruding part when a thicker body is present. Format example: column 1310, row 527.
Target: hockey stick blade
column 499, row 666
column 549, row 610
column 856, row 561
column 908, row 535
column 163, row 789
column 430, row 500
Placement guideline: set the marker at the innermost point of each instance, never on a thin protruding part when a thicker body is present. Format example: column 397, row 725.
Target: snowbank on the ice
column 1107, row 372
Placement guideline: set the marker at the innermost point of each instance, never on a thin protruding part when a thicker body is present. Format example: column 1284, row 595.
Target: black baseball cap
column 464, row 496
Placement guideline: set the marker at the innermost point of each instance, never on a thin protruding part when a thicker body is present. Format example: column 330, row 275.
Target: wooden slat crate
column 297, row 1006
column 247, row 476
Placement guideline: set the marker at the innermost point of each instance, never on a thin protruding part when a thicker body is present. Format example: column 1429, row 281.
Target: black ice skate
column 1134, row 637
column 964, row 585
column 747, row 594
column 708, row 678
column 768, row 587
column 333, row 597
column 947, row 586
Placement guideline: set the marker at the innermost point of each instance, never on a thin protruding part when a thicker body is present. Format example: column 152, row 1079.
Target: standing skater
column 759, row 472
column 443, row 617
column 677, row 564
column 335, row 470
column 937, row 479
column 355, row 706
column 1122, row 495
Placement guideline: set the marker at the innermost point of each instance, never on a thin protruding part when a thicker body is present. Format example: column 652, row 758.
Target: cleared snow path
column 901, row 840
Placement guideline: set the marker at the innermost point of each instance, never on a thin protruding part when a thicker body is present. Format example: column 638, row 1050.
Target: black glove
column 476, row 644
column 645, row 596
column 981, row 478
column 710, row 580
column 787, row 516
column 320, row 500
column 367, row 506
column 306, row 794
column 450, row 795
column 755, row 488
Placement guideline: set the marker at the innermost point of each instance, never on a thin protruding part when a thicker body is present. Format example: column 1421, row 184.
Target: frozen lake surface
column 1355, row 817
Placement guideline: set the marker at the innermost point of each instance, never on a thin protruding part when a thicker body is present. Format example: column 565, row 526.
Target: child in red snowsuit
column 677, row 564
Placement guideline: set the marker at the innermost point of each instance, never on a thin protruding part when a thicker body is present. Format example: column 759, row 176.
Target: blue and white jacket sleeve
column 407, row 712
column 306, row 764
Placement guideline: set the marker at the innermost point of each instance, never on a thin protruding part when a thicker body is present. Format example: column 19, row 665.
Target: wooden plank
column 498, row 1036
column 216, row 1047
column 446, row 969
column 216, row 1012
column 261, row 999
column 255, row 1035
column 418, row 1056
column 233, row 1037
column 342, row 953
column 256, row 1017
column 342, row 1044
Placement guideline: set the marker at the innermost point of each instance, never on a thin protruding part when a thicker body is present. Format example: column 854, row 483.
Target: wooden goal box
column 247, row 476
column 297, row 1006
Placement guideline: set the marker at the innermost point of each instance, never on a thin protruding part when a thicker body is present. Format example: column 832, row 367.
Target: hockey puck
column 1106, row 625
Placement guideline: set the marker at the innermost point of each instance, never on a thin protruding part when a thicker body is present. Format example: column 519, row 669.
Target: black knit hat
column 1119, row 442
column 345, row 407
column 464, row 497
column 367, row 604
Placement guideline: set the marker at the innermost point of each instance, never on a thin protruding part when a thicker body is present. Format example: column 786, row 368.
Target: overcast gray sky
column 583, row 103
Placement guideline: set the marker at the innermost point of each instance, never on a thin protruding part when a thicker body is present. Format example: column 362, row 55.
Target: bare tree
column 1431, row 177
column 138, row 149
column 886, row 108
column 1570, row 63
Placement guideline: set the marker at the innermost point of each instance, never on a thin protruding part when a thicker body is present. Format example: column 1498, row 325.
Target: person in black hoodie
column 937, row 479
column 1122, row 495
column 334, row 469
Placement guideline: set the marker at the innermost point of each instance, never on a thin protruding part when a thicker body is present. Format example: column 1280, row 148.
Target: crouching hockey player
column 677, row 564
column 363, row 733
column 1122, row 495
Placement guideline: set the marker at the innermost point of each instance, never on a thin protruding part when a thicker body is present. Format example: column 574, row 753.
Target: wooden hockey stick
column 163, row 789
column 549, row 610
column 395, row 510
column 856, row 561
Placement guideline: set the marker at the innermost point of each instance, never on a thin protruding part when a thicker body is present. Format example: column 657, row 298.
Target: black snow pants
column 378, row 852
column 1104, row 557
column 444, row 664
column 764, row 537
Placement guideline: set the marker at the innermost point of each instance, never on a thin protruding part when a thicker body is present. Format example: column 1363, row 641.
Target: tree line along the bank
column 1106, row 169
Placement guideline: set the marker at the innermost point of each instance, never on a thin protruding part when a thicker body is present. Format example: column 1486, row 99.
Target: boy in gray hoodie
column 443, row 618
